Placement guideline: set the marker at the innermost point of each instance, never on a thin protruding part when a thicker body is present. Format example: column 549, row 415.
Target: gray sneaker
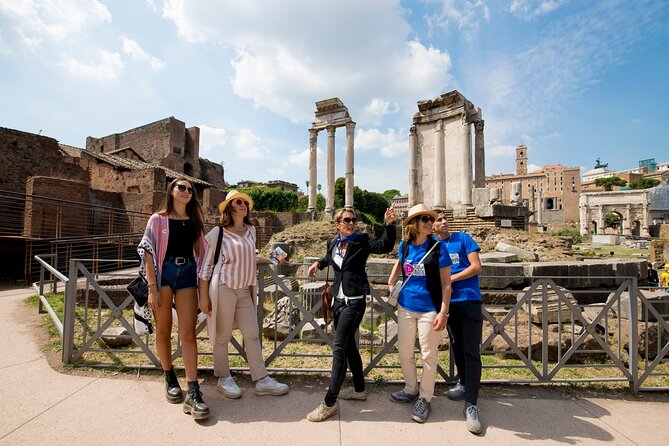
column 472, row 417
column 421, row 410
column 349, row 393
column 457, row 392
column 402, row 397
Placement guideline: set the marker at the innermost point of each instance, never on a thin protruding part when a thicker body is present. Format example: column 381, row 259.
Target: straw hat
column 232, row 195
column 418, row 210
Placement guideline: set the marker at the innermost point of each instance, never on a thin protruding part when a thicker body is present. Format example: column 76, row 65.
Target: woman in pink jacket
column 172, row 250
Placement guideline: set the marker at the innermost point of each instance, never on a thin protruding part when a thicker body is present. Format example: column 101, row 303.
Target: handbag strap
column 217, row 252
column 419, row 262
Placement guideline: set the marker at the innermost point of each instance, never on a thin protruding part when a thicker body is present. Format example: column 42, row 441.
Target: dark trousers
column 347, row 318
column 465, row 325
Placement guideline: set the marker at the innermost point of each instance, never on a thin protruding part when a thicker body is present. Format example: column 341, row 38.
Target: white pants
column 408, row 324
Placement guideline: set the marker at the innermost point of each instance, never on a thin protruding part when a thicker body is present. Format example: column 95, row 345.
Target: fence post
column 68, row 315
column 633, row 334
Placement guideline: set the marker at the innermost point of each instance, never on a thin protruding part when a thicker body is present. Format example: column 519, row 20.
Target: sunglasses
column 349, row 220
column 426, row 218
column 183, row 188
column 239, row 202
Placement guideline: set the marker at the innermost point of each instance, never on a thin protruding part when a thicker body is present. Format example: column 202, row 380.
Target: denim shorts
column 179, row 277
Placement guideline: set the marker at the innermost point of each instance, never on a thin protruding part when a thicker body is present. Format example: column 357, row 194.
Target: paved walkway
column 41, row 406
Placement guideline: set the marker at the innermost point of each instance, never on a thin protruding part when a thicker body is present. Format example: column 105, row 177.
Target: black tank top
column 182, row 238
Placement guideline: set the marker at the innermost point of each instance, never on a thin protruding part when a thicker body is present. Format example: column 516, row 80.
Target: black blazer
column 352, row 273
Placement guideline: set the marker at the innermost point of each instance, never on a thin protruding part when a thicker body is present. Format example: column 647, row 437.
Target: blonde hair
column 340, row 213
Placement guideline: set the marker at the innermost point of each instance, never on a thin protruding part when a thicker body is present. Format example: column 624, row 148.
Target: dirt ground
column 308, row 239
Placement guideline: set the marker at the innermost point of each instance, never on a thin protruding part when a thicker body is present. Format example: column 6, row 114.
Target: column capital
column 412, row 130
column 331, row 130
column 350, row 126
column 439, row 126
column 478, row 125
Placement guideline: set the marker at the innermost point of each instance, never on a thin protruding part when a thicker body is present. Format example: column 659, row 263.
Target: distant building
column 401, row 203
column 555, row 188
column 648, row 168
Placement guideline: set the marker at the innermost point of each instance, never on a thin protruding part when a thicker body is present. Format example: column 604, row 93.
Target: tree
column 611, row 220
column 303, row 203
column 390, row 194
column 609, row 182
column 644, row 183
column 272, row 199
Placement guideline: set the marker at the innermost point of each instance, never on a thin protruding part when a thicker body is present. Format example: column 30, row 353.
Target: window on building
column 549, row 203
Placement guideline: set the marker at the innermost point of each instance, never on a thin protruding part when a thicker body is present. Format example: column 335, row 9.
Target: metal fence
column 544, row 333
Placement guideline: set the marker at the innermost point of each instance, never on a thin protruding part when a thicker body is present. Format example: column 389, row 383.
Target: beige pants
column 408, row 324
column 236, row 306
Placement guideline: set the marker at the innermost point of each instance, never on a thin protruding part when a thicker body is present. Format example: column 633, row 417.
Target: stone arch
column 635, row 228
column 593, row 227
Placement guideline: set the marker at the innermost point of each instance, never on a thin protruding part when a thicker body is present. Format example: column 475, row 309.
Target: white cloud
column 530, row 9
column 108, row 66
column 390, row 144
column 54, row 19
column 133, row 49
column 301, row 158
column 286, row 65
column 248, row 145
column 500, row 150
column 379, row 106
column 554, row 135
column 533, row 168
column 211, row 137
column 275, row 173
column 465, row 16
column 637, row 121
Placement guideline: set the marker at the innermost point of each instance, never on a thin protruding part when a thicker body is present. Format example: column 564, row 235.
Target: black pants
column 465, row 325
column 347, row 318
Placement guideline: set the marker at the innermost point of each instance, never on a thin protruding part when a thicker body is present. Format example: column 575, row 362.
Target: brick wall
column 68, row 219
column 26, row 154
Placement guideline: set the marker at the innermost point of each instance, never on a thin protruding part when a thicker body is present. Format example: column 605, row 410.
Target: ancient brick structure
column 167, row 143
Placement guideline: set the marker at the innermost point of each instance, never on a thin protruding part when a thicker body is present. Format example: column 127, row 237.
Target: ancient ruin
column 330, row 114
column 440, row 152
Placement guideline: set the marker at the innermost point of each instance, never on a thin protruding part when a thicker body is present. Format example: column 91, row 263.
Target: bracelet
column 445, row 314
column 151, row 284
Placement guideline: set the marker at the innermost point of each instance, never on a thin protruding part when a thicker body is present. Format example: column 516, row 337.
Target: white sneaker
column 270, row 386
column 228, row 387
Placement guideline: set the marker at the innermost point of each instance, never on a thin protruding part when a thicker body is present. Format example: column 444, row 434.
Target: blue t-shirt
column 415, row 295
column 460, row 245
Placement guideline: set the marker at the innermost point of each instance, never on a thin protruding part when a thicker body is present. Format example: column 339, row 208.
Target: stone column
column 413, row 171
column 439, row 167
column 329, row 201
column 350, row 132
column 644, row 217
column 583, row 214
column 627, row 221
column 313, row 177
column 600, row 220
column 479, row 155
column 531, row 205
column 540, row 206
column 466, row 185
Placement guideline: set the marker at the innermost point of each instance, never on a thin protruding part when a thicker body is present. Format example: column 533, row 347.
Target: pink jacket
column 154, row 242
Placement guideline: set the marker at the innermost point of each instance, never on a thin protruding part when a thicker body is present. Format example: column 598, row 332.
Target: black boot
column 194, row 403
column 172, row 389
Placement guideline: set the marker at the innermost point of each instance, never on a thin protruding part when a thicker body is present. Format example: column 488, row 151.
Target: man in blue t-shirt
column 465, row 320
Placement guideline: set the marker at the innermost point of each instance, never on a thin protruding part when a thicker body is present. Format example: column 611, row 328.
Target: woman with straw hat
column 227, row 295
column 423, row 307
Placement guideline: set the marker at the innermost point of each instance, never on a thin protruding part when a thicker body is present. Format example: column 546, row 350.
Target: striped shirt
column 237, row 258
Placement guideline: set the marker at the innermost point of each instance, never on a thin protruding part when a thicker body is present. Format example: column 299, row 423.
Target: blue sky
column 573, row 80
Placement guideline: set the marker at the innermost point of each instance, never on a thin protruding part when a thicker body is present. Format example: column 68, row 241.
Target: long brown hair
column 226, row 217
column 411, row 230
column 193, row 208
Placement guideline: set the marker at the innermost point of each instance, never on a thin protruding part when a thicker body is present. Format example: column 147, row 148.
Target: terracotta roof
column 130, row 164
column 72, row 151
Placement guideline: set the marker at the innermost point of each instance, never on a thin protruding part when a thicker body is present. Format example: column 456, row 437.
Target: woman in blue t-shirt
column 423, row 307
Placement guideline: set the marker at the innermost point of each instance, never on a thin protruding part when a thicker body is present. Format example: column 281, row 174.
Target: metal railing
column 540, row 334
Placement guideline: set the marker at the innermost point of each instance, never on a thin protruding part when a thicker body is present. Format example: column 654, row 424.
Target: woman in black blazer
column 347, row 254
